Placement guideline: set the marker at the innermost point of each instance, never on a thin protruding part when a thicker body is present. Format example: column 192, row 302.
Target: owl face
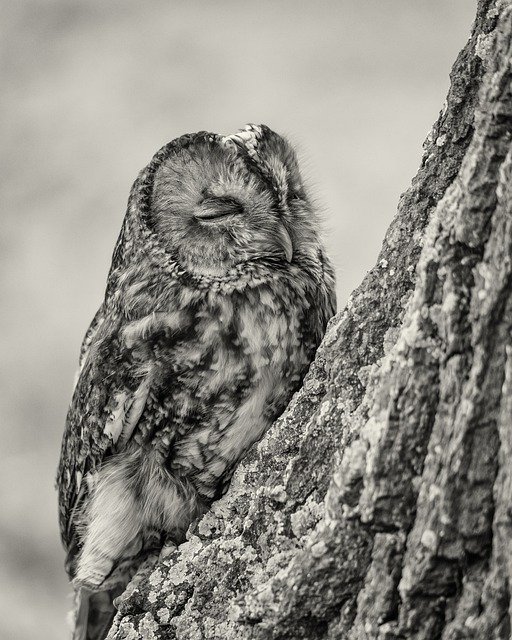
column 217, row 201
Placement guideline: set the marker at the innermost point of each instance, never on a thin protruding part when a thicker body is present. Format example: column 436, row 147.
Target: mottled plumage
column 218, row 295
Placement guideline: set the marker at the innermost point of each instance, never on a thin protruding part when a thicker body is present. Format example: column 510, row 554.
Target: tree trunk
column 379, row 504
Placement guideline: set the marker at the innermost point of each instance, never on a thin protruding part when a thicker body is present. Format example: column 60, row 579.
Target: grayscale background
column 90, row 90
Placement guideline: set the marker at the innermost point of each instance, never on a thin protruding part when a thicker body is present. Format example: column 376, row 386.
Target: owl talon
column 142, row 571
column 167, row 550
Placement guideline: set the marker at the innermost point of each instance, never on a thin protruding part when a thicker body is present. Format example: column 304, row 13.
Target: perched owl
column 217, row 298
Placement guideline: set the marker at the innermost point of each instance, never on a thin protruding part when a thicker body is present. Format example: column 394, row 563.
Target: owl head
column 217, row 201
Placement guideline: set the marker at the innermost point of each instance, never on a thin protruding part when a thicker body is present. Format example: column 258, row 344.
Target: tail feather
column 94, row 609
column 94, row 614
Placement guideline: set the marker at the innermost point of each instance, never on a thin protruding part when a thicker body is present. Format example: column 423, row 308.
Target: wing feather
column 109, row 399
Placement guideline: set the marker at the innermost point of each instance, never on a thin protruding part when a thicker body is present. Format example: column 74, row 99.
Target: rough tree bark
column 379, row 505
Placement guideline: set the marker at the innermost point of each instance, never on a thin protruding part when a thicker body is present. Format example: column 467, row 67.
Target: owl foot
column 167, row 550
column 90, row 583
column 92, row 571
column 142, row 571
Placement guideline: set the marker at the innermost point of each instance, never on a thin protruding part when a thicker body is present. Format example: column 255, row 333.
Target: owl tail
column 94, row 611
column 94, row 614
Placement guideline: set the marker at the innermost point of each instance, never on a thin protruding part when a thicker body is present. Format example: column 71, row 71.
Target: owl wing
column 114, row 382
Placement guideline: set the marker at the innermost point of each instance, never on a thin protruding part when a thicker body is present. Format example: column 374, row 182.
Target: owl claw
column 167, row 550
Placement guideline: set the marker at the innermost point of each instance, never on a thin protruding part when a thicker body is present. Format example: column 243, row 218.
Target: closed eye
column 212, row 208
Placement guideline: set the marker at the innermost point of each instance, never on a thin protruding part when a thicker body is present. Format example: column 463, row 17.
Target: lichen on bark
column 377, row 506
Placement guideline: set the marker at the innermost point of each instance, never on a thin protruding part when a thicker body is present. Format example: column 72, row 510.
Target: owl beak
column 286, row 242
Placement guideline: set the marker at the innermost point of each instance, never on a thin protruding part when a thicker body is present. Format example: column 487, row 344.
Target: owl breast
column 225, row 382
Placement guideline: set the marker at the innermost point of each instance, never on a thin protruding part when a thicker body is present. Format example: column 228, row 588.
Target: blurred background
column 90, row 90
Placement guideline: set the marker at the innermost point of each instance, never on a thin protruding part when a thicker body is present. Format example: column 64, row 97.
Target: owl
column 217, row 298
